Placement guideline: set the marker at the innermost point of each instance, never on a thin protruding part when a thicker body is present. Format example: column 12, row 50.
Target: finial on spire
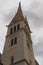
column 19, row 4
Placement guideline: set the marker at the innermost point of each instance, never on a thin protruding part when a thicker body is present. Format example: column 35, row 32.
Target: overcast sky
column 33, row 9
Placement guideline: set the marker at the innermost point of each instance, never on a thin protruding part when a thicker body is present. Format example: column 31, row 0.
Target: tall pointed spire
column 18, row 16
column 19, row 11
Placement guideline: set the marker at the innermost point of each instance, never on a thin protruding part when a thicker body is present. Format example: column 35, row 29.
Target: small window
column 12, row 59
column 18, row 27
column 15, row 40
column 11, row 31
column 11, row 42
column 30, row 61
column 28, row 44
column 14, row 28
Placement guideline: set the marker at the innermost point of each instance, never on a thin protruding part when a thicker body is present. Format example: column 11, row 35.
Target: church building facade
column 18, row 44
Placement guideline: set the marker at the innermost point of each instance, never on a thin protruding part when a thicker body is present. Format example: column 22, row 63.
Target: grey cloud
column 35, row 13
column 34, row 19
column 9, row 16
column 32, row 14
column 38, row 49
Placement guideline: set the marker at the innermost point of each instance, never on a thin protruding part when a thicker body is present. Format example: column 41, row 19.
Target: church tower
column 18, row 44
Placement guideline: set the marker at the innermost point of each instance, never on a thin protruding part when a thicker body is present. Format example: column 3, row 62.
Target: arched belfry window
column 14, row 28
column 11, row 31
column 15, row 40
column 11, row 42
column 18, row 27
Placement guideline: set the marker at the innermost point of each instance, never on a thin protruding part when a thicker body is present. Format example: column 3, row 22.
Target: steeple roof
column 18, row 16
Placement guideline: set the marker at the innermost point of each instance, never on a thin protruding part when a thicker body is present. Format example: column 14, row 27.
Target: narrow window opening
column 12, row 59
column 11, row 42
column 15, row 40
column 18, row 27
column 14, row 28
column 28, row 44
column 30, row 62
column 11, row 31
